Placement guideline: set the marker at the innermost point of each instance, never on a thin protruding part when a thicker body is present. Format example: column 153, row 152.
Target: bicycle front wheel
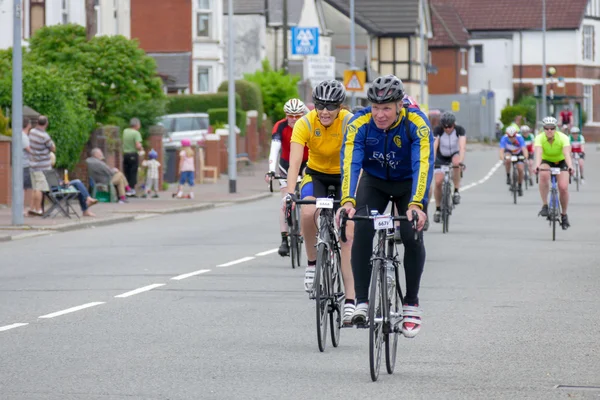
column 577, row 175
column 376, row 314
column 515, row 185
column 395, row 311
column 337, row 300
column 321, row 287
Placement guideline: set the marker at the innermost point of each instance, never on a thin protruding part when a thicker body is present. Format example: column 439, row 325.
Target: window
column 478, row 54
column 593, row 9
column 463, row 61
column 65, row 12
column 116, row 20
column 394, row 56
column 98, row 20
column 203, row 76
column 587, row 101
column 37, row 14
column 588, row 43
column 203, row 18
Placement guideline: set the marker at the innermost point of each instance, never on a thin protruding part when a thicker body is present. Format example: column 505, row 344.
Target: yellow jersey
column 324, row 143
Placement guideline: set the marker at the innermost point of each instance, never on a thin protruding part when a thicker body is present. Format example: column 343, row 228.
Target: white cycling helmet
column 575, row 130
column 511, row 131
column 294, row 107
column 550, row 121
column 525, row 128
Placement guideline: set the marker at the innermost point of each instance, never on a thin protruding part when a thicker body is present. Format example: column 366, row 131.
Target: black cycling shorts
column 561, row 164
column 443, row 160
column 315, row 184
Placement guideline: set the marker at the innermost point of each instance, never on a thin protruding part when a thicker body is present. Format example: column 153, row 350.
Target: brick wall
column 448, row 79
column 156, row 143
column 108, row 140
column 5, row 170
column 162, row 25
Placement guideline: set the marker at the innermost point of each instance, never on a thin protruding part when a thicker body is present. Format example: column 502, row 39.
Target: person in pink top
column 186, row 169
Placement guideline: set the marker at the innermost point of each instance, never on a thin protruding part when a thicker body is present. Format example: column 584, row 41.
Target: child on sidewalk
column 186, row 168
column 152, row 173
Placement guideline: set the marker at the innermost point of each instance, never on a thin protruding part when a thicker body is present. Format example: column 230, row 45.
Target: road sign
column 305, row 41
column 319, row 68
column 354, row 81
column 455, row 106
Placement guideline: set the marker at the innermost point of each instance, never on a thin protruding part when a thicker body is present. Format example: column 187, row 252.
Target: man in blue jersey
column 513, row 144
column 393, row 146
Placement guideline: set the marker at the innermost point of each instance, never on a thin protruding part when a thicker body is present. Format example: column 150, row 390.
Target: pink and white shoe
column 411, row 321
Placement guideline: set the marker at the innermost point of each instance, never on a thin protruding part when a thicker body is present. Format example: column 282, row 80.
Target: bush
column 250, row 95
column 220, row 116
column 199, row 102
column 52, row 93
column 4, row 125
column 276, row 88
column 509, row 113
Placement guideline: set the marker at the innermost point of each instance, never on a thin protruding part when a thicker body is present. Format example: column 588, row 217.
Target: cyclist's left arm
column 462, row 143
column 422, row 157
column 523, row 147
column 352, row 156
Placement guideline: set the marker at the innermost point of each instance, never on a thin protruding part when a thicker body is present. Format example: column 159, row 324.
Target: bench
column 246, row 163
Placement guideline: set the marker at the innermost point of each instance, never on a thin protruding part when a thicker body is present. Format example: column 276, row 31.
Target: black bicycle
column 447, row 203
column 328, row 286
column 514, row 182
column 295, row 238
column 385, row 294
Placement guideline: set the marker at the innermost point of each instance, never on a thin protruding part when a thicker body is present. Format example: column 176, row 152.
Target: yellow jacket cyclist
column 322, row 131
column 553, row 150
column 393, row 146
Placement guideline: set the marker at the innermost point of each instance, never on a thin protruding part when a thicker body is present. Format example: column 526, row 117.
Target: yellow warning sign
column 354, row 81
column 455, row 106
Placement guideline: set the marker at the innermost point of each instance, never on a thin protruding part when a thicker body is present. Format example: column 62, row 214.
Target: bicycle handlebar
column 537, row 174
column 272, row 177
column 344, row 218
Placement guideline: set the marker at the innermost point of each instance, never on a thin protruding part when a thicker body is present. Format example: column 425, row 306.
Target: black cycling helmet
column 329, row 92
column 448, row 119
column 386, row 89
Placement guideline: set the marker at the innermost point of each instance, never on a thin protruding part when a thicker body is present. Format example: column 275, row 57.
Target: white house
column 207, row 45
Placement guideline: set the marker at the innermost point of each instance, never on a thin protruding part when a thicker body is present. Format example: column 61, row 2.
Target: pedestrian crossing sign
column 354, row 81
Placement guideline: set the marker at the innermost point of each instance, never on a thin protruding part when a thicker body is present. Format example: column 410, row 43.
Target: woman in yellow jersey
column 322, row 131
column 553, row 150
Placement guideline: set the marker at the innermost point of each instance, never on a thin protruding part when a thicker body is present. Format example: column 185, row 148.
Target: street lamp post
column 231, row 170
column 544, row 105
column 352, row 49
column 17, row 119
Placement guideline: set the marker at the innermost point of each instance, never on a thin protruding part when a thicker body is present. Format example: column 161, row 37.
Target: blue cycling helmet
column 153, row 155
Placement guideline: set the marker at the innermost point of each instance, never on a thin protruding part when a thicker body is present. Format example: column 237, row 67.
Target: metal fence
column 474, row 111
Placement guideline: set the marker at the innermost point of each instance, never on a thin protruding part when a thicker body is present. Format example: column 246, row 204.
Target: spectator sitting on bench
column 85, row 200
column 101, row 173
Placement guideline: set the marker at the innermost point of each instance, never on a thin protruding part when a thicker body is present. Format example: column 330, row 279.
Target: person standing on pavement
column 132, row 147
column 41, row 145
column 26, row 154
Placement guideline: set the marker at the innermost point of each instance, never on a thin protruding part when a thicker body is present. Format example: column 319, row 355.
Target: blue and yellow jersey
column 393, row 155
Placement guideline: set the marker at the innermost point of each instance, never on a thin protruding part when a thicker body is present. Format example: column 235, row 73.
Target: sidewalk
column 250, row 185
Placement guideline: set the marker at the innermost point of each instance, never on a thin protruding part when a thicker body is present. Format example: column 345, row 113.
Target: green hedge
column 509, row 113
column 250, row 95
column 220, row 116
column 199, row 102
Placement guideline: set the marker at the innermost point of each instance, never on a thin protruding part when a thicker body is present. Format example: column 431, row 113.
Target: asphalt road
column 508, row 314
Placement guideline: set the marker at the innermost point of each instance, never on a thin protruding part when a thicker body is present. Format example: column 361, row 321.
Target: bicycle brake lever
column 415, row 223
column 343, row 220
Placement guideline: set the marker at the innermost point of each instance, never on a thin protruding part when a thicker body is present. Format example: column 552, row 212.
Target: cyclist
column 513, row 144
column 282, row 134
column 553, row 150
column 578, row 146
column 322, row 131
column 393, row 146
column 449, row 146
column 566, row 118
column 528, row 137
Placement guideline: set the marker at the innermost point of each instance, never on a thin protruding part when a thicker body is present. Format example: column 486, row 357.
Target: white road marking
column 140, row 290
column 479, row 182
column 241, row 260
column 190, row 274
column 7, row 327
column 72, row 309
column 265, row 253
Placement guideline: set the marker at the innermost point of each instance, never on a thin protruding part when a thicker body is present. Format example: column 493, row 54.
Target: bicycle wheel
column 444, row 207
column 577, row 175
column 295, row 240
column 337, row 300
column 395, row 310
column 526, row 167
column 515, row 185
column 321, row 288
column 376, row 313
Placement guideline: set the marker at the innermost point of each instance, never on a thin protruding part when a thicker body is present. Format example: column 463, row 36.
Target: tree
column 91, row 24
column 276, row 88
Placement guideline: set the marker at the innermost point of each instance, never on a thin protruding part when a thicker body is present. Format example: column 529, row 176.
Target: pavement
column 250, row 186
column 200, row 306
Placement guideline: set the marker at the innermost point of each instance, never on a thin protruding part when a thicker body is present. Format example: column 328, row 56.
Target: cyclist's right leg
column 439, row 178
column 284, row 248
column 309, row 230
column 368, row 197
column 544, row 187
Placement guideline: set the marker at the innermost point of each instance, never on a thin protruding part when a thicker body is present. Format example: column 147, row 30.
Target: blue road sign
column 305, row 41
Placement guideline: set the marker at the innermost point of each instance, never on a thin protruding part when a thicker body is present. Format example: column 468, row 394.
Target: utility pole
column 17, row 118
column 422, row 39
column 285, row 37
column 352, row 49
column 231, row 148
column 544, row 105
column 90, row 19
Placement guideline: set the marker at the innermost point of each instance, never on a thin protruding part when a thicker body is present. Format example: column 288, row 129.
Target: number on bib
column 555, row 171
column 445, row 168
column 514, row 158
column 324, row 202
column 383, row 222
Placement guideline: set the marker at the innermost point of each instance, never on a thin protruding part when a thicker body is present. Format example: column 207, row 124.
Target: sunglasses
column 294, row 116
column 549, row 129
column 329, row 107
column 448, row 126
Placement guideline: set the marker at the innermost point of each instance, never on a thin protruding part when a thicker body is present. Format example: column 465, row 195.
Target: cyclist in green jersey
column 553, row 150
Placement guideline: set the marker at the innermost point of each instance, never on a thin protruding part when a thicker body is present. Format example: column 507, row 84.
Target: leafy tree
column 4, row 125
column 276, row 88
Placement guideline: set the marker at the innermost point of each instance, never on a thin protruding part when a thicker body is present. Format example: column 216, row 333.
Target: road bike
column 514, row 182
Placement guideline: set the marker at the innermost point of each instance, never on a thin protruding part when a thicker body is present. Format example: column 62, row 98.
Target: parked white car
column 192, row 126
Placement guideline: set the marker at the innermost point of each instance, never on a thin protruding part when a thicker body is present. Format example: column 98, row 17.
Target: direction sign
column 305, row 41
column 354, row 81
column 319, row 68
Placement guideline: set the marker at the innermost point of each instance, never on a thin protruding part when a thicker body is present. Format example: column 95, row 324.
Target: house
column 393, row 45
column 448, row 51
column 185, row 39
column 505, row 52
column 112, row 17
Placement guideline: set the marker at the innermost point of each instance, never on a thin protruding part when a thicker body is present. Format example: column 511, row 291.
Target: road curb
column 145, row 214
